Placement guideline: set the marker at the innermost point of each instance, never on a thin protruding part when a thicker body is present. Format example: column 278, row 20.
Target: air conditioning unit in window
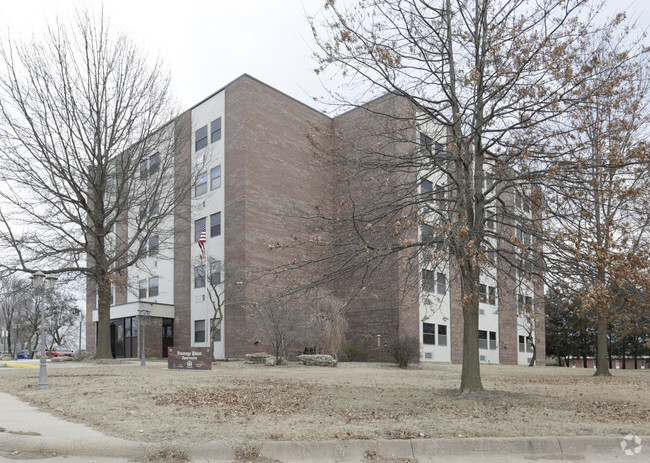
column 482, row 358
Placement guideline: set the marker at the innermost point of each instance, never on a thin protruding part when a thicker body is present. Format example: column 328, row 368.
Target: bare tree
column 216, row 291
column 482, row 82
column 327, row 323
column 283, row 325
column 13, row 305
column 528, row 317
column 61, row 317
column 88, row 143
column 599, row 198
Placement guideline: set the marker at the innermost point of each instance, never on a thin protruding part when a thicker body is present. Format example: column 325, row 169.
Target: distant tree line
column 571, row 335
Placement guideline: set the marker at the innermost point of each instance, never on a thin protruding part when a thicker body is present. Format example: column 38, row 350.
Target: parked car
column 23, row 354
column 60, row 351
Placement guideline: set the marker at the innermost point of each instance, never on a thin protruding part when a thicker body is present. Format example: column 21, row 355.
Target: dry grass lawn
column 238, row 402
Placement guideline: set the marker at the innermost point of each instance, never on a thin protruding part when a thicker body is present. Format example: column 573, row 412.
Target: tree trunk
column 601, row 349
column 470, row 380
column 533, row 359
column 104, row 326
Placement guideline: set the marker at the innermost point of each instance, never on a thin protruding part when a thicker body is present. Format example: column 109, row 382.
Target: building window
column 199, row 226
column 482, row 339
column 426, row 188
column 529, row 344
column 199, row 276
column 489, row 222
column 130, row 327
column 168, row 328
column 441, row 283
column 199, row 330
column 442, row 335
column 215, row 178
column 439, row 196
column 154, row 209
column 522, row 344
column 428, row 333
column 482, row 293
column 490, row 180
column 215, row 130
column 112, row 301
column 215, row 224
column 426, row 142
column 154, row 163
column 201, row 138
column 524, row 268
column 528, row 304
column 493, row 340
column 201, row 186
column 153, row 286
column 428, row 283
column 217, row 334
column 153, row 245
column 523, row 236
column 427, row 233
column 143, row 209
column 215, row 272
column 144, row 170
column 492, row 295
column 142, row 289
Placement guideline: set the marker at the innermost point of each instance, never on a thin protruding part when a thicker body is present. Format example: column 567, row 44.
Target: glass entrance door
column 117, row 338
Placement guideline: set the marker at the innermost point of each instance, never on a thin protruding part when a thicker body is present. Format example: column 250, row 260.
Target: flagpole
column 203, row 241
column 207, row 299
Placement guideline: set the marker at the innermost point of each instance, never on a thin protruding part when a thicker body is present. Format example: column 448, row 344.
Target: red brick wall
column 268, row 169
column 182, row 233
column 153, row 337
column 388, row 303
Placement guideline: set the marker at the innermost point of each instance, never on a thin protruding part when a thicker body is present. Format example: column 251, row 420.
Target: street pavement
column 27, row 434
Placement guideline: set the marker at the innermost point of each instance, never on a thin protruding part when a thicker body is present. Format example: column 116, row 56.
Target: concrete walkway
column 28, row 434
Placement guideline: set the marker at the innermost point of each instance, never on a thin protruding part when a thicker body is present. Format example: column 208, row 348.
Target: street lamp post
column 15, row 340
column 38, row 286
column 143, row 313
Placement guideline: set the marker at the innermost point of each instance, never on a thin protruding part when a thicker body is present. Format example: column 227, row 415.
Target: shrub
column 404, row 350
column 350, row 352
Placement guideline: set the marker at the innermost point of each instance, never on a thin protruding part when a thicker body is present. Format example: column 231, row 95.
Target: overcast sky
column 208, row 43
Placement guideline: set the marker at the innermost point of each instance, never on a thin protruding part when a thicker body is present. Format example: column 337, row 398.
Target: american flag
column 202, row 240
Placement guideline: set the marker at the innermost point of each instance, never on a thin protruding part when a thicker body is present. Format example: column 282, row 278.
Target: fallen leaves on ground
column 245, row 399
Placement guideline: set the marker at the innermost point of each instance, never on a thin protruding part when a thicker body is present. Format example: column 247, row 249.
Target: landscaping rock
column 318, row 360
column 258, row 358
column 271, row 361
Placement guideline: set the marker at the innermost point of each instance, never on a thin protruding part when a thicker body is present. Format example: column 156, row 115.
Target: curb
column 17, row 365
column 109, row 447
column 319, row 451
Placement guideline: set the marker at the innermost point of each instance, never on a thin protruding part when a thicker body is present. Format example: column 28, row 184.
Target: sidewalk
column 27, row 433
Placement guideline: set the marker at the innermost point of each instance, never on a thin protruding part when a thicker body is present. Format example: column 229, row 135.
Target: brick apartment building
column 252, row 159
